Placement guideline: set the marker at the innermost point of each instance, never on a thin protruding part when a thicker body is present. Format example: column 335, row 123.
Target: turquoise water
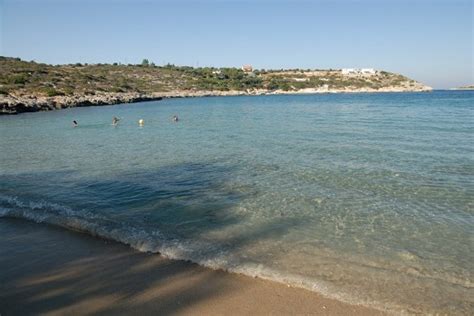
column 368, row 198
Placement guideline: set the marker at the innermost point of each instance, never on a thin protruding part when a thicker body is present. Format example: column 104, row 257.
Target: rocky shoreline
column 10, row 104
column 17, row 105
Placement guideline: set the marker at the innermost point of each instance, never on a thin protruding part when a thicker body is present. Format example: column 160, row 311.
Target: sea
column 365, row 198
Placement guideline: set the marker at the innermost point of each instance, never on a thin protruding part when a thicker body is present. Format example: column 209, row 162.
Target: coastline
column 50, row 270
column 11, row 105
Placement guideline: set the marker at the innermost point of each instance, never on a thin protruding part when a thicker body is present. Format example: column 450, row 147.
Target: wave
column 149, row 239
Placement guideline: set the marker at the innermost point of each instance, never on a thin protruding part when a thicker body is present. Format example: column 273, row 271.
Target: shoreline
column 12, row 105
column 47, row 269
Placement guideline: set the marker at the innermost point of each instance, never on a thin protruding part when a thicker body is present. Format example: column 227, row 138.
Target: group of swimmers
column 116, row 120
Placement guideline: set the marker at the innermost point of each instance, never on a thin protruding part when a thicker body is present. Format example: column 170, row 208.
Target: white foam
column 153, row 241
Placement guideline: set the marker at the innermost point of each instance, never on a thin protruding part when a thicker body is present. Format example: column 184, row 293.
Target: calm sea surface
column 368, row 198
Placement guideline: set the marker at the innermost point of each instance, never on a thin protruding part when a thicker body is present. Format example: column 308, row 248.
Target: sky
column 428, row 40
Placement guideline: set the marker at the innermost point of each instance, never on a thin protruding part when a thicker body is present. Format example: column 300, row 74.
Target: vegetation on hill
column 21, row 78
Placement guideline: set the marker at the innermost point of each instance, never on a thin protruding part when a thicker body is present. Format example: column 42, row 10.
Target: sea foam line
column 153, row 241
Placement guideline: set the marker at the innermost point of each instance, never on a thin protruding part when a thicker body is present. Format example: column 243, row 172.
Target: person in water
column 115, row 120
column 74, row 123
column 175, row 118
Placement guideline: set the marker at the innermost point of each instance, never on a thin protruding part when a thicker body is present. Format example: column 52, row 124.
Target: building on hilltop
column 348, row 71
column 247, row 68
column 358, row 71
column 370, row 71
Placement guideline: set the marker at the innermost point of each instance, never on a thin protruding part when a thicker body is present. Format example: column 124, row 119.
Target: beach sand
column 49, row 270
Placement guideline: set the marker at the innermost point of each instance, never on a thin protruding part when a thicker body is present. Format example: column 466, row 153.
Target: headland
column 31, row 87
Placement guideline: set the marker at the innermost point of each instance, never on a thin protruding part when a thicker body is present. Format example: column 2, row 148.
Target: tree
column 145, row 62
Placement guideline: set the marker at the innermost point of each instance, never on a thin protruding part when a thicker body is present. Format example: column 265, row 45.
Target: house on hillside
column 348, row 71
column 358, row 71
column 247, row 68
column 369, row 71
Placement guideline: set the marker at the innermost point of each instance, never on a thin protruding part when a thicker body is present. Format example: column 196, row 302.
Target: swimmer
column 115, row 120
column 141, row 122
column 74, row 123
column 175, row 118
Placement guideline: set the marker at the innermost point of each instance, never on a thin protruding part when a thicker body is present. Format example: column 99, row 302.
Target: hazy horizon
column 429, row 41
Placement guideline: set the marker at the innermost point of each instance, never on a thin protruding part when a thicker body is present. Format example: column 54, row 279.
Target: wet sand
column 49, row 270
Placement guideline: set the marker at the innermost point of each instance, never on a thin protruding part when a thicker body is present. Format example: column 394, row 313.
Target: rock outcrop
column 21, row 104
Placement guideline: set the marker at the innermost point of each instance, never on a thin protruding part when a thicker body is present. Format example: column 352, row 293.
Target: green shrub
column 4, row 90
column 68, row 90
column 117, row 89
column 52, row 92
column 18, row 79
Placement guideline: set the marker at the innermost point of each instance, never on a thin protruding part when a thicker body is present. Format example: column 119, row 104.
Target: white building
column 358, row 71
column 348, row 71
column 370, row 71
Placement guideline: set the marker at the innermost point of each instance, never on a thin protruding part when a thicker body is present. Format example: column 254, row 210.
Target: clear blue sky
column 430, row 41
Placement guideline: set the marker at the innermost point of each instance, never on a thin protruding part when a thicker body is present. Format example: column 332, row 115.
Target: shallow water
column 364, row 197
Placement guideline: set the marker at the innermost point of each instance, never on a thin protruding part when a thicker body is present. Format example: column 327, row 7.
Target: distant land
column 470, row 87
column 30, row 86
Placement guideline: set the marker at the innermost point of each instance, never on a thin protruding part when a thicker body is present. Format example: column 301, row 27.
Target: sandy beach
column 49, row 270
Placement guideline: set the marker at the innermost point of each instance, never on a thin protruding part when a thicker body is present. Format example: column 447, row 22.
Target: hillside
column 30, row 86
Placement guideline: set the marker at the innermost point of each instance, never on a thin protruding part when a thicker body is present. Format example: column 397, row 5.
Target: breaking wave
column 153, row 241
